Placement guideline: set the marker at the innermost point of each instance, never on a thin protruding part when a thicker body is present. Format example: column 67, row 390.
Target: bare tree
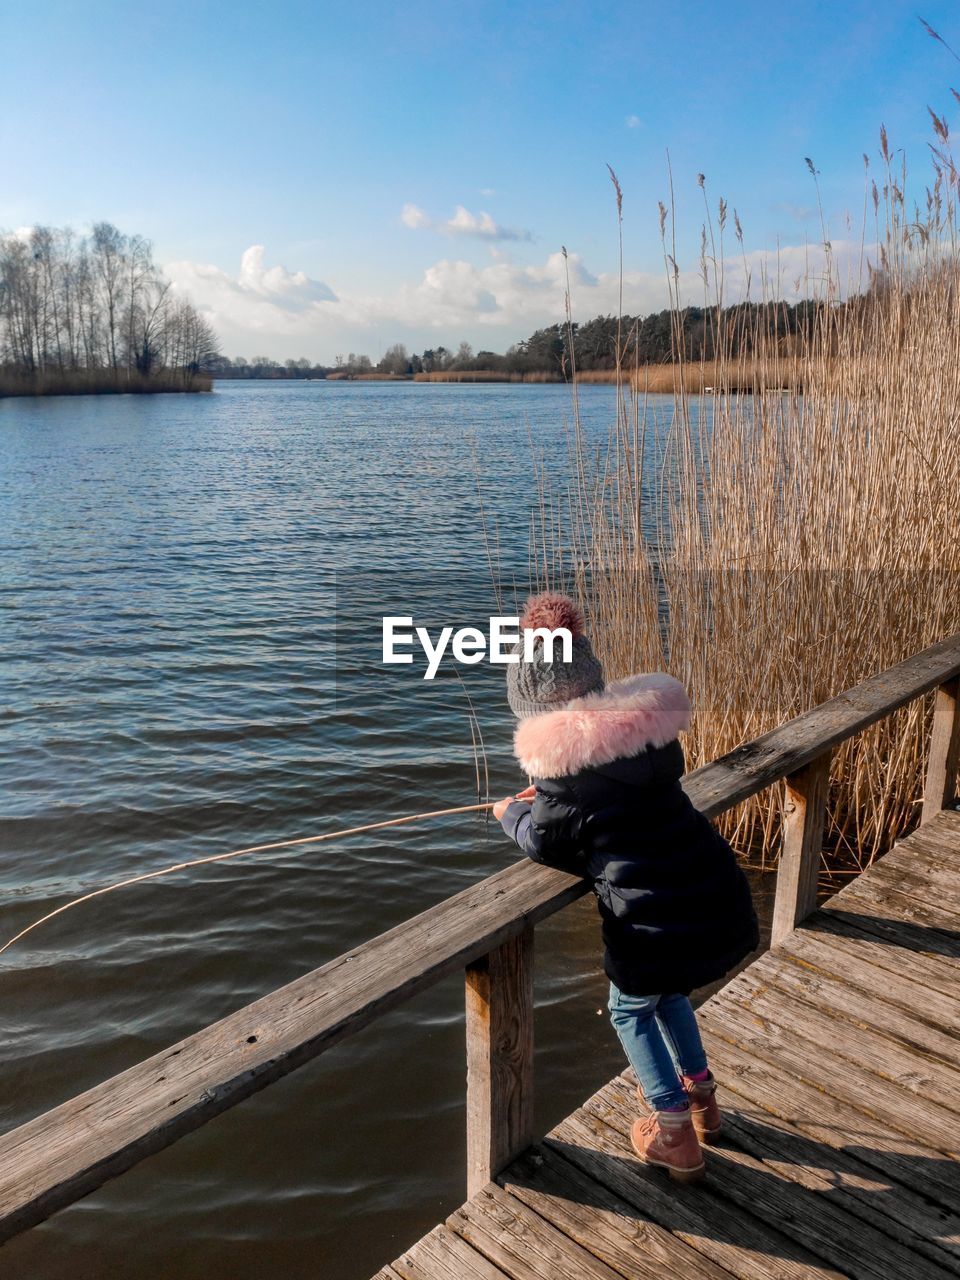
column 71, row 303
column 109, row 247
column 395, row 360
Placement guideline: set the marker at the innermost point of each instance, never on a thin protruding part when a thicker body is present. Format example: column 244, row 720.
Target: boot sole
column 678, row 1175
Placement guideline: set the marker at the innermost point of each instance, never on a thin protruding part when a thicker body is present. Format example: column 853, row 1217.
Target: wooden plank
column 499, row 999
column 891, row 903
column 859, row 1154
column 841, row 999
column 803, row 1204
column 742, row 1243
column 444, row 1256
column 938, row 843
column 858, row 1043
column 520, row 1242
column 805, row 811
column 941, row 835
column 926, row 864
column 609, row 1227
column 604, row 1232
column 896, row 1230
column 921, row 884
column 748, row 769
column 68, row 1152
column 884, row 1100
column 933, row 852
column 891, row 950
column 601, row 1222
column 940, row 787
column 894, row 983
column 930, row 952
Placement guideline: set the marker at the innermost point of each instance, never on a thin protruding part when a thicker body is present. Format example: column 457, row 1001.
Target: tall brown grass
column 775, row 547
column 485, row 375
column 85, row 382
column 369, row 377
column 696, row 378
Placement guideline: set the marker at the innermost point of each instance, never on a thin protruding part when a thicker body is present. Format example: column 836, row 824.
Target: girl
column 606, row 803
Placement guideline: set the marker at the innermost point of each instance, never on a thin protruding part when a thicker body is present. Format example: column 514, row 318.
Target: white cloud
column 258, row 299
column 288, row 289
column 413, row 216
column 633, row 122
column 493, row 304
column 487, row 191
column 465, row 223
column 480, row 226
column 458, row 287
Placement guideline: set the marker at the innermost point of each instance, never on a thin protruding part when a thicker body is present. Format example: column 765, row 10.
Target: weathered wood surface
column 499, row 1058
column 68, row 1152
column 602, row 1222
column 838, row 1056
column 514, row 1237
column 442, row 1253
column 862, row 1160
column 803, row 1205
column 940, row 788
column 805, row 811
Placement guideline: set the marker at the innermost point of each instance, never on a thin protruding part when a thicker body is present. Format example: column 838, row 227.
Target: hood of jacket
column 623, row 719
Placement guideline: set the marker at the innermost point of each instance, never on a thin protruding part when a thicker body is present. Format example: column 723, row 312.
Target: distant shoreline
column 693, row 377
column 450, row 375
column 100, row 382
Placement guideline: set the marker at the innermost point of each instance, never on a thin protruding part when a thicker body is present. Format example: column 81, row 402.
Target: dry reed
column 789, row 542
column 486, row 375
column 84, row 382
column 699, row 377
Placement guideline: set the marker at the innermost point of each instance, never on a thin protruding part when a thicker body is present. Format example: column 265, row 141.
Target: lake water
column 187, row 588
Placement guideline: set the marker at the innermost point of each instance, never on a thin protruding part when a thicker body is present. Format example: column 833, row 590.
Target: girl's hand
column 527, row 796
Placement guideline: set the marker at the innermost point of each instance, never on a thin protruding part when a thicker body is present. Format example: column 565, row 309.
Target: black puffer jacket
column 675, row 905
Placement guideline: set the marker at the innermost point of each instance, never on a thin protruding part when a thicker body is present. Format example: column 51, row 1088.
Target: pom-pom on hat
column 539, row 686
column 552, row 610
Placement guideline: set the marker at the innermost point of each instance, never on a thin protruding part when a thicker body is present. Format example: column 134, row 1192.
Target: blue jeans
column 661, row 1038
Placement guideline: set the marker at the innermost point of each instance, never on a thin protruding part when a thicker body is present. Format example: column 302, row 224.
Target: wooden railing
column 486, row 930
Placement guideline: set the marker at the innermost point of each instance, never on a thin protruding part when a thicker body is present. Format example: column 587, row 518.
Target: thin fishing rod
column 236, row 853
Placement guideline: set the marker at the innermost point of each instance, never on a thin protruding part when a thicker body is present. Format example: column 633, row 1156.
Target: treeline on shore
column 91, row 314
column 554, row 353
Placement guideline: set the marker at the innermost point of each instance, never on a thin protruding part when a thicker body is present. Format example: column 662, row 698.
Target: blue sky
column 324, row 178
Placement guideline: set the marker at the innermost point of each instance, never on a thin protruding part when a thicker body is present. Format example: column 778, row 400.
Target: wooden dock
column 838, row 1054
column 837, row 1051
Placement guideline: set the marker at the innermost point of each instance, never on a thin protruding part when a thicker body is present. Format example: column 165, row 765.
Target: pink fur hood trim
column 625, row 718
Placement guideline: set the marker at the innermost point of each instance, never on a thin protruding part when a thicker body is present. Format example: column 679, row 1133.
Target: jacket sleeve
column 548, row 831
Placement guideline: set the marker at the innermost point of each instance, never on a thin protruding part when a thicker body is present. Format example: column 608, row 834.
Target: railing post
column 940, row 788
column 803, row 821
column 499, row 998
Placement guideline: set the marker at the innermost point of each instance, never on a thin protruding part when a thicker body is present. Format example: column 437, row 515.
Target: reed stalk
column 789, row 524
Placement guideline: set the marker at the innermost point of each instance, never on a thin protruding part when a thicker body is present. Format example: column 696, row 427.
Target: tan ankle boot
column 668, row 1140
column 704, row 1111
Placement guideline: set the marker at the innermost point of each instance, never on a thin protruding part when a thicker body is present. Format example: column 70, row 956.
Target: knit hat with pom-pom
column 539, row 686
